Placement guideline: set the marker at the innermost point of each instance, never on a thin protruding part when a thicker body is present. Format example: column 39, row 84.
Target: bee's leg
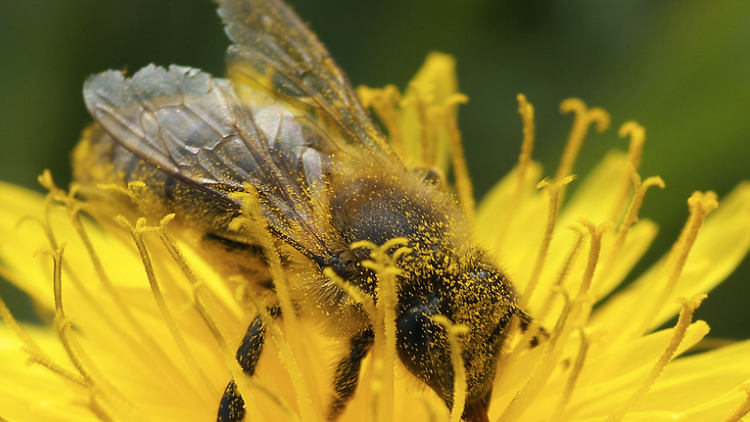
column 347, row 372
column 232, row 406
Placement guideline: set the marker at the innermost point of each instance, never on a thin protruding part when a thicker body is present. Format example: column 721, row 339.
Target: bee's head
column 479, row 298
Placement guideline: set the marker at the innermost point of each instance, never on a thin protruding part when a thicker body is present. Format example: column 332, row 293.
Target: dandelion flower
column 142, row 327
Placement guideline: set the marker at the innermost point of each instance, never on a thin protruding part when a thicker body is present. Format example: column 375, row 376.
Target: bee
column 287, row 122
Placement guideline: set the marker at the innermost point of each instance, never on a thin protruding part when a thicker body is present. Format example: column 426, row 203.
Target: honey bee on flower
column 287, row 126
column 255, row 248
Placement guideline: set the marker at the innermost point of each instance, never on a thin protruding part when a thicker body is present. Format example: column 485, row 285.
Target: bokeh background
column 679, row 67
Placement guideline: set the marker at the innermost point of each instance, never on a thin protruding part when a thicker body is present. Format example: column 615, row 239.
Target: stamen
column 460, row 169
column 524, row 159
column 635, row 152
column 147, row 343
column 743, row 409
column 584, row 117
column 630, row 218
column 78, row 356
column 683, row 322
column 459, row 372
column 57, row 195
column 553, row 189
column 596, row 233
column 22, row 335
column 559, row 283
column 35, row 358
column 543, row 368
column 244, row 383
column 285, row 350
column 259, row 230
column 588, row 275
column 568, row 320
column 700, row 206
column 426, row 139
column 354, row 292
column 386, row 269
column 96, row 408
column 526, row 110
column 376, row 389
column 384, row 102
column 130, row 191
column 570, row 385
column 174, row 330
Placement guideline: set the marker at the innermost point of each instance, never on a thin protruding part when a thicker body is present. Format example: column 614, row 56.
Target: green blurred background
column 680, row 68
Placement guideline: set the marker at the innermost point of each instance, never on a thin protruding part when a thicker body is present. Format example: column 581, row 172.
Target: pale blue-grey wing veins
column 275, row 50
column 193, row 127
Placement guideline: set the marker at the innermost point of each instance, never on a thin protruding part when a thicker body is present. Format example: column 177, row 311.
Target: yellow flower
column 141, row 328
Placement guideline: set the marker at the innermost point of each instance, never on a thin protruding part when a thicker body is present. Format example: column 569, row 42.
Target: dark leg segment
column 232, row 406
column 347, row 372
column 252, row 344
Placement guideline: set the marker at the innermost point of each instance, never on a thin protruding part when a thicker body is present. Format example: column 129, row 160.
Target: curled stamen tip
column 576, row 229
column 167, row 218
column 524, row 107
column 45, row 179
column 653, row 181
column 694, row 302
column 632, row 128
column 140, row 224
column 123, row 221
column 595, row 230
column 573, row 104
column 706, row 202
column 566, row 180
column 601, row 117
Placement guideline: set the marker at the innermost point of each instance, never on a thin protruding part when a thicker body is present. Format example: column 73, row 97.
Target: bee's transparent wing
column 193, row 127
column 275, row 50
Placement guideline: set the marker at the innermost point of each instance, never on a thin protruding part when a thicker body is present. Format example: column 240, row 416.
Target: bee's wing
column 194, row 128
column 275, row 50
